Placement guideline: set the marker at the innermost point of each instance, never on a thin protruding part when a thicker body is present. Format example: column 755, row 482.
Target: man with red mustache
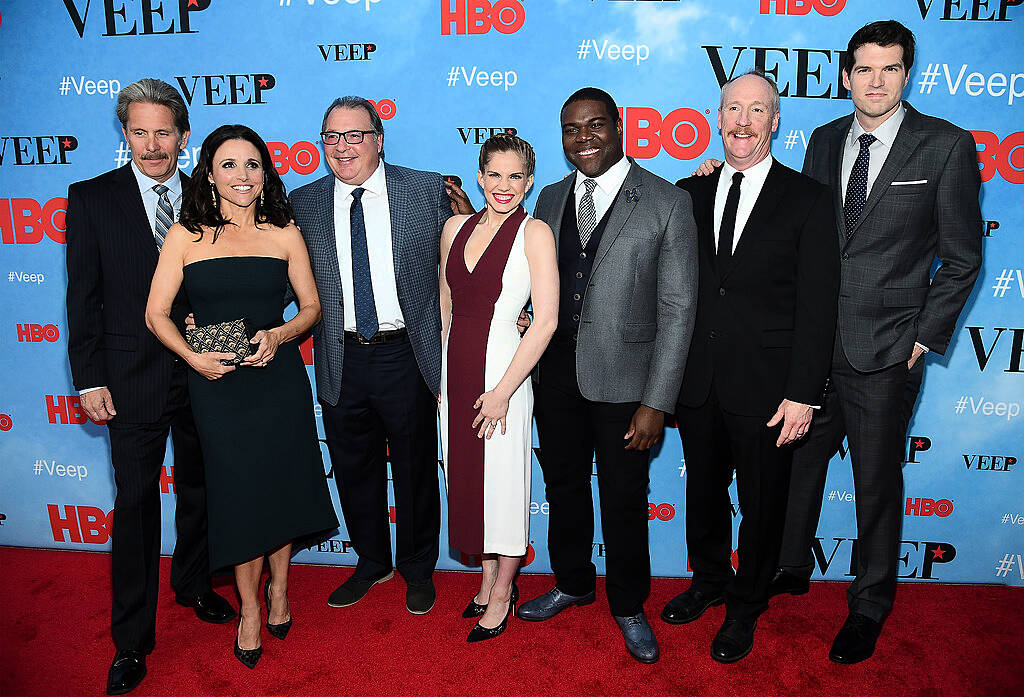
column 766, row 312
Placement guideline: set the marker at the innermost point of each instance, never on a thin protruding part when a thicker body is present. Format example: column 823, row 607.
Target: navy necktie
column 728, row 226
column 857, row 187
column 362, row 284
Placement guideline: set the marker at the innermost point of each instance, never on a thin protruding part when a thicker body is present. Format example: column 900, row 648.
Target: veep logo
column 826, row 8
column 810, row 64
column 25, row 221
column 919, row 558
column 477, row 135
column 915, row 445
column 86, row 524
column 222, row 90
column 989, row 463
column 38, row 150
column 973, row 14
column 662, row 511
column 66, row 410
column 941, row 508
column 984, row 353
column 35, row 332
column 123, row 17
column 480, row 16
column 683, row 133
column 1005, row 157
column 340, row 53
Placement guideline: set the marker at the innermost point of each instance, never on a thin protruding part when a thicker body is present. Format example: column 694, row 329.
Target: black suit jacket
column 923, row 204
column 766, row 325
column 111, row 257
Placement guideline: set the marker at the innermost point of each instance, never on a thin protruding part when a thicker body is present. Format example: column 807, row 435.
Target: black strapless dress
column 265, row 482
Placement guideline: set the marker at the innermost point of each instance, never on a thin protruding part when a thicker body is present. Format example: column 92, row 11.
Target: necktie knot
column 590, row 184
column 866, row 139
column 737, row 178
column 160, row 189
column 358, row 192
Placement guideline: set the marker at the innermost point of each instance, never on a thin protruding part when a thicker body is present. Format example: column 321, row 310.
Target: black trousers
column 385, row 409
column 716, row 444
column 872, row 410
column 572, row 430
column 137, row 454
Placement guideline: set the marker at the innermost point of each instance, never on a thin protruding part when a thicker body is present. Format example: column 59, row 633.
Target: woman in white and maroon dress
column 493, row 263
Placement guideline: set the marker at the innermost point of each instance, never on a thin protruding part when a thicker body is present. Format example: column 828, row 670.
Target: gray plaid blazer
column 639, row 307
column 923, row 204
column 419, row 208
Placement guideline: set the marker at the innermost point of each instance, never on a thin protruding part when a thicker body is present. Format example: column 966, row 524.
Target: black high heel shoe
column 479, row 633
column 474, row 609
column 278, row 631
column 248, row 657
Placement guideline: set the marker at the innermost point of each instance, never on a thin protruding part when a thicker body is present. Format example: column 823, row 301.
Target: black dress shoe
column 209, row 607
column 420, row 596
column 474, row 609
column 785, row 582
column 353, row 590
column 734, row 640
column 278, row 631
column 689, row 605
column 126, row 672
column 855, row 642
column 248, row 657
column 481, row 633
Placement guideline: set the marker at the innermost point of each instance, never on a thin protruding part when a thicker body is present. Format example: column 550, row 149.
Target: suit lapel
column 561, row 200
column 129, row 197
column 325, row 210
column 903, row 146
column 704, row 215
column 834, row 158
column 622, row 208
column 398, row 212
column 767, row 201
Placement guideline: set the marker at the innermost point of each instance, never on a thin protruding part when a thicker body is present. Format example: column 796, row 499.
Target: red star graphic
column 938, row 553
column 918, row 443
column 66, row 142
column 193, row 3
column 263, row 81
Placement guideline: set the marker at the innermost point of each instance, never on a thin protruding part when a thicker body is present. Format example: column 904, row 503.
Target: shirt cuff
column 91, row 389
column 922, row 346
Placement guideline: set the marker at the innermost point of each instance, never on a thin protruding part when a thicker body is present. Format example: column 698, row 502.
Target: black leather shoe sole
column 676, row 617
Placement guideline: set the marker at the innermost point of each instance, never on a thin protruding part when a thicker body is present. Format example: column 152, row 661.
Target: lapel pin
column 632, row 195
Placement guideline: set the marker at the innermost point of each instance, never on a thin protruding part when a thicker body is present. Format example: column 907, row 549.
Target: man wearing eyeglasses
column 373, row 233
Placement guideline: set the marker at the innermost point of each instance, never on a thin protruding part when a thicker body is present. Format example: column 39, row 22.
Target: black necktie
column 857, row 187
column 728, row 226
column 362, row 284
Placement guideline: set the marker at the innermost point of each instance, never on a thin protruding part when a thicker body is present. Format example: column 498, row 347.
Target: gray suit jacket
column 639, row 307
column 419, row 208
column 886, row 299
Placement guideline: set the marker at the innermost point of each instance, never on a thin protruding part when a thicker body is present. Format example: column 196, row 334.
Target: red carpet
column 956, row 641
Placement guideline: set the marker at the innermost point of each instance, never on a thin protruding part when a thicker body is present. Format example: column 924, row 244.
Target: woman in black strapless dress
column 234, row 253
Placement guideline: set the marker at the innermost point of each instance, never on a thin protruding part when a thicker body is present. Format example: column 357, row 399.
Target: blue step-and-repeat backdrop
column 444, row 75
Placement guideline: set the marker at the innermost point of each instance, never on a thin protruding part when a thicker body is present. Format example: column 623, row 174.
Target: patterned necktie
column 727, row 229
column 362, row 284
column 857, row 187
column 588, row 213
column 164, row 215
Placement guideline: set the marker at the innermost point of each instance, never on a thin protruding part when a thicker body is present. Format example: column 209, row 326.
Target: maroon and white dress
column 488, row 481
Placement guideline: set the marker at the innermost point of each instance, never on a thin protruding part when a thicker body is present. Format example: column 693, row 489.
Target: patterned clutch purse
column 226, row 337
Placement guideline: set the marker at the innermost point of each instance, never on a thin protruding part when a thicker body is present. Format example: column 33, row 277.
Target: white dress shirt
column 750, row 189
column 149, row 199
column 877, row 151
column 608, row 185
column 377, row 217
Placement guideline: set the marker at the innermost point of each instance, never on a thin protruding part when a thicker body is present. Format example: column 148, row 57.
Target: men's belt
column 381, row 337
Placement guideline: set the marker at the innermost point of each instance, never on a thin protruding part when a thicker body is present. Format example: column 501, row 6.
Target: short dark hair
column 507, row 142
column 198, row 209
column 597, row 95
column 887, row 32
column 152, row 91
column 354, row 102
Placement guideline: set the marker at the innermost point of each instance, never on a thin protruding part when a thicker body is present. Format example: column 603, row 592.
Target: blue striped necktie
column 164, row 215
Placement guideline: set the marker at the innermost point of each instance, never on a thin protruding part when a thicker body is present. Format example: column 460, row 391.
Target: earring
column 261, row 198
column 213, row 193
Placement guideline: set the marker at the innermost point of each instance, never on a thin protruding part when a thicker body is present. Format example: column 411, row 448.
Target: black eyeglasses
column 351, row 137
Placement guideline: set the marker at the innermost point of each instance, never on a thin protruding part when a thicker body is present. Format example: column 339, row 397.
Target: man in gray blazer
column 373, row 233
column 627, row 258
column 906, row 190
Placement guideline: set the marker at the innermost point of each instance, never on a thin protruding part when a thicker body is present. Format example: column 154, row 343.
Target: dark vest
column 574, row 266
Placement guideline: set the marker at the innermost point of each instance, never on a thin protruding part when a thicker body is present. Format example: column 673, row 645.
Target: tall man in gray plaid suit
column 906, row 190
column 373, row 232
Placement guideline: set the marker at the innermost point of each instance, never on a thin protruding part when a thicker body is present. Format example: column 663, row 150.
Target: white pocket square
column 916, row 181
